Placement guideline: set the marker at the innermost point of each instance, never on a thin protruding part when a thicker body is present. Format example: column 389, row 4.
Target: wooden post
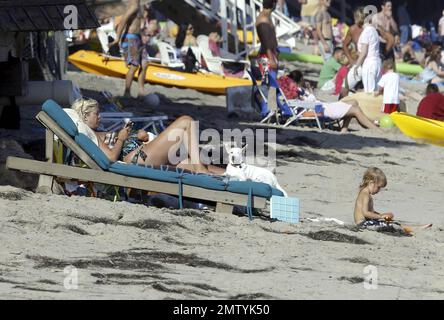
column 45, row 184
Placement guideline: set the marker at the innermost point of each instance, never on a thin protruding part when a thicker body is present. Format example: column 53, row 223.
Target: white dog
column 238, row 169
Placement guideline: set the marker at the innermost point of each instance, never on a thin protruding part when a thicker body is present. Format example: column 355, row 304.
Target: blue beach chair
column 99, row 169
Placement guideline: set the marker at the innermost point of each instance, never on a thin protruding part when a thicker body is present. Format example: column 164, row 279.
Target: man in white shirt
column 389, row 85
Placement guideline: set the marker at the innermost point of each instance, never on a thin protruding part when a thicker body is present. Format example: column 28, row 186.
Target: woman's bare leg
column 345, row 124
column 141, row 78
column 180, row 133
column 157, row 151
column 356, row 111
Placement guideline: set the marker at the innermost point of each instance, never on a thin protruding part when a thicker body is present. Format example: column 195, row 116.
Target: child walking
column 389, row 85
column 365, row 216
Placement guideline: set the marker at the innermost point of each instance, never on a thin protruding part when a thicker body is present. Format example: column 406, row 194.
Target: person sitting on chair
column 179, row 136
column 432, row 106
column 333, row 110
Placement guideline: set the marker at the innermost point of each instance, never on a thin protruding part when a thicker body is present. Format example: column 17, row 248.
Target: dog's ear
column 244, row 149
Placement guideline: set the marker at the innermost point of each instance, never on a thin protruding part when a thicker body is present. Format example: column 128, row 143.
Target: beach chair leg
column 318, row 123
column 224, row 208
column 45, row 184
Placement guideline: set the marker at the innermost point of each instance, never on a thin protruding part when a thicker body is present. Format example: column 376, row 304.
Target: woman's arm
column 362, row 55
column 114, row 153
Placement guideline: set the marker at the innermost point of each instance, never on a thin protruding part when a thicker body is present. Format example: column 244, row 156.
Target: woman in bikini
column 179, row 137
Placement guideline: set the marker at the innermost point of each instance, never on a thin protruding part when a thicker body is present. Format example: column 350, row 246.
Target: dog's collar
column 237, row 165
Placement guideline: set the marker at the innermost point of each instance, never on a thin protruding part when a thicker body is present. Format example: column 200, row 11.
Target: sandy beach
column 131, row 251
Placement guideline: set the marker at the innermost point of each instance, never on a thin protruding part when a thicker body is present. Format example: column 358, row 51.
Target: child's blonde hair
column 373, row 175
column 84, row 106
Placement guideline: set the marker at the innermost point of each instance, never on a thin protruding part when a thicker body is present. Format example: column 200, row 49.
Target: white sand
column 125, row 250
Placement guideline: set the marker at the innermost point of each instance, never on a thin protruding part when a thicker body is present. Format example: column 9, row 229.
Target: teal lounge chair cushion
column 277, row 192
column 258, row 188
column 60, row 117
column 93, row 151
column 133, row 170
column 204, row 181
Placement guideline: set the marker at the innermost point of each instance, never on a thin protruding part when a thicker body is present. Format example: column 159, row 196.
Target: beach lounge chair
column 214, row 63
column 168, row 56
column 302, row 111
column 308, row 111
column 226, row 194
column 261, row 100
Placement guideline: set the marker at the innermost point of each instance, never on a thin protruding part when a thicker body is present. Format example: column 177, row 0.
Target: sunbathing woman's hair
column 84, row 106
column 373, row 175
column 432, row 88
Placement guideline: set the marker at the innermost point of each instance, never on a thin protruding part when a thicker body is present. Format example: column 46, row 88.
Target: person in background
column 309, row 8
column 441, row 28
column 404, row 23
column 282, row 7
column 324, row 30
column 384, row 21
column 185, row 36
column 269, row 62
column 369, row 57
column 389, row 86
column 365, row 215
column 150, row 48
column 433, row 72
column 129, row 30
column 351, row 40
column 432, row 105
column 344, row 111
column 146, row 16
column 329, row 71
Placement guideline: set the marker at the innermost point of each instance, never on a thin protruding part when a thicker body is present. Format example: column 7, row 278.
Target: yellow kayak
column 420, row 129
column 97, row 63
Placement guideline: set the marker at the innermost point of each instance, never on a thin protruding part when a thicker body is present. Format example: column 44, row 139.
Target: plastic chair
column 168, row 56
